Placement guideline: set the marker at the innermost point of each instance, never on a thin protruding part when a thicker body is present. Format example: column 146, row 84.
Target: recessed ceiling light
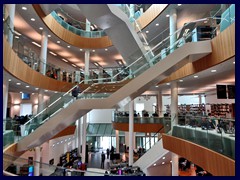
column 20, row 92
column 214, row 70
column 46, row 90
column 65, row 60
column 157, row 24
column 36, row 44
column 55, row 92
column 52, row 53
column 167, row 15
column 156, row 86
column 17, row 33
column 18, row 83
column 36, row 88
column 171, row 161
column 80, row 49
column 93, row 50
column 24, row 8
column 32, row 19
column 180, row 80
column 195, row 76
column 33, row 93
column 163, row 162
column 58, row 42
column 68, row 46
column 154, row 164
column 147, row 31
column 41, row 28
column 16, row 37
column 233, row 62
column 163, row 157
column 168, row 83
column 106, row 49
column 49, row 35
column 74, row 65
column 9, row 80
column 27, row 86
column 179, row 4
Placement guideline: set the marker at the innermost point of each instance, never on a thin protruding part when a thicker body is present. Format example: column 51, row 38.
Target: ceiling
column 225, row 73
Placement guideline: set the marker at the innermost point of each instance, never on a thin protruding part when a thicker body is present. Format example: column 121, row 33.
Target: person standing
column 108, row 152
column 102, row 160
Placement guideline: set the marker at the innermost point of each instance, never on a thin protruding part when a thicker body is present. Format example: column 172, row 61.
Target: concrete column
column 174, row 164
column 84, row 127
column 40, row 100
column 174, row 104
column 117, row 140
column 86, row 70
column 131, row 125
column 37, row 159
column 100, row 75
column 5, row 96
column 200, row 98
column 159, row 104
column 79, row 137
column 43, row 54
column 11, row 12
column 77, row 76
column 173, row 28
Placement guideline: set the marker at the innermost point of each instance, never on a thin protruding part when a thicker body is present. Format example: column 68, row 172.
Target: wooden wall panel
column 137, row 127
column 68, row 131
column 211, row 161
column 17, row 68
column 223, row 48
column 152, row 12
column 68, row 36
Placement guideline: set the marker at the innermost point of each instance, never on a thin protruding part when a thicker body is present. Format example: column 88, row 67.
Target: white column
column 37, row 159
column 84, row 126
column 43, row 54
column 131, row 108
column 11, row 11
column 77, row 76
column 100, row 75
column 174, row 104
column 5, row 96
column 200, row 98
column 117, row 140
column 159, row 104
column 132, row 10
column 86, row 70
column 40, row 100
column 174, row 164
column 173, row 28
column 79, row 137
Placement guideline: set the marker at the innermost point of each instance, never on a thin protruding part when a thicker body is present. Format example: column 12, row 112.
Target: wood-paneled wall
column 68, row 36
column 211, row 161
column 68, row 131
column 223, row 48
column 15, row 66
column 137, row 127
column 150, row 14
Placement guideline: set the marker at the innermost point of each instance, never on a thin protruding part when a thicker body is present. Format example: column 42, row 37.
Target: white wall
column 100, row 116
column 211, row 98
column 160, row 170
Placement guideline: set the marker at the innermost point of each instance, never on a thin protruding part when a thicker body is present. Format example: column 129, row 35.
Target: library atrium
column 119, row 89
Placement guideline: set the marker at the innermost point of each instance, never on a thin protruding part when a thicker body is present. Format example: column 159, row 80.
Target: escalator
column 144, row 80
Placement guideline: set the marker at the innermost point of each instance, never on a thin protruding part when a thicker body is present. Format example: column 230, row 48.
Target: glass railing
column 134, row 69
column 217, row 134
column 75, row 26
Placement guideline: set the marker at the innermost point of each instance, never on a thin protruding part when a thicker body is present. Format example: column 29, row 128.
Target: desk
column 221, row 143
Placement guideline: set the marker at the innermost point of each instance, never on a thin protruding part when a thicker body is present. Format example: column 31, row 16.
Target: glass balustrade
column 76, row 26
column 217, row 134
column 138, row 66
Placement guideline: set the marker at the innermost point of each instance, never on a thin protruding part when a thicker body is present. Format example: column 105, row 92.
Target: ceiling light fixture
column 74, row 65
column 147, row 31
column 16, row 37
column 233, row 62
column 180, row 80
column 49, row 35
column 214, row 70
column 58, row 42
column 46, row 90
column 179, row 4
column 163, row 162
column 65, row 60
column 156, row 86
column 9, row 80
column 168, row 84
column 93, row 50
column 68, row 46
column 80, row 49
column 18, row 84
column 167, row 15
column 36, row 44
column 36, row 88
column 17, row 33
column 154, row 164
column 106, row 49
column 157, row 24
column 20, row 92
column 52, row 53
column 41, row 28
column 27, row 86
column 32, row 19
column 24, row 8
column 171, row 161
column 195, row 76
column 163, row 157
